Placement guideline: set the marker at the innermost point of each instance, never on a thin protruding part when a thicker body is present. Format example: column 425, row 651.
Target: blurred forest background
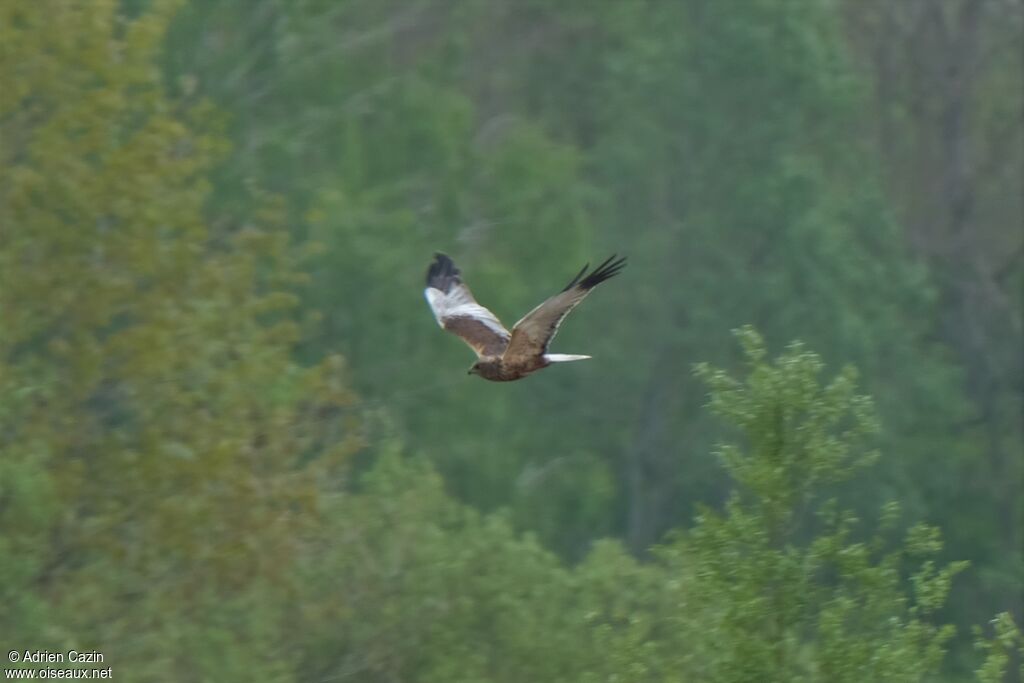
column 234, row 445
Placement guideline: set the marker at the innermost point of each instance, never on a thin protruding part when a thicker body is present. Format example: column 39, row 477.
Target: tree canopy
column 234, row 445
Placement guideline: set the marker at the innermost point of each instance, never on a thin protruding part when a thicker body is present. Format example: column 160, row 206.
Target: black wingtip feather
column 572, row 283
column 609, row 269
column 442, row 273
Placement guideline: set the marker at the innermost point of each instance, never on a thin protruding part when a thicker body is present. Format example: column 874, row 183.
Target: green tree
column 649, row 144
column 1005, row 643
column 725, row 147
column 945, row 111
column 398, row 160
column 157, row 440
column 780, row 584
column 789, row 591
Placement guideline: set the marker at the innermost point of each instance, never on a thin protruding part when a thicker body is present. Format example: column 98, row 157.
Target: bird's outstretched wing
column 532, row 334
column 457, row 311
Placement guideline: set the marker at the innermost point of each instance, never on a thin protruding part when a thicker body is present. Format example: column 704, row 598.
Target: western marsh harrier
column 503, row 356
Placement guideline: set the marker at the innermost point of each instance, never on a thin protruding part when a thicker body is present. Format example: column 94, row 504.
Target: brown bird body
column 504, row 356
column 497, row 370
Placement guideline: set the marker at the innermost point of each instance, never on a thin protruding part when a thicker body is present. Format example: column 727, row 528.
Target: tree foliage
column 155, row 430
column 808, row 596
column 206, row 207
column 710, row 143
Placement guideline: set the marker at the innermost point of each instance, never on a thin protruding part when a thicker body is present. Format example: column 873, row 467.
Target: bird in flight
column 504, row 356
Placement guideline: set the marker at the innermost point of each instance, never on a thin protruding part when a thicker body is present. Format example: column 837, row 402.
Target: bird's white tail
column 562, row 357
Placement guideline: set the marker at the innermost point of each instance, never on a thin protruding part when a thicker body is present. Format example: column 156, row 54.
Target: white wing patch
column 448, row 306
column 459, row 313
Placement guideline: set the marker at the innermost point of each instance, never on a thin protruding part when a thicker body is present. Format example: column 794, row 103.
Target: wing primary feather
column 609, row 269
column 576, row 279
column 442, row 274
